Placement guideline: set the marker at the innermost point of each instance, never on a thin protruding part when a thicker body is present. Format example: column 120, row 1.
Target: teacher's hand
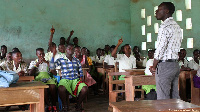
column 152, row 70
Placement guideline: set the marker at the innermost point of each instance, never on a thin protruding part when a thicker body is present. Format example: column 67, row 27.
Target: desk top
column 153, row 105
column 26, row 85
column 134, row 70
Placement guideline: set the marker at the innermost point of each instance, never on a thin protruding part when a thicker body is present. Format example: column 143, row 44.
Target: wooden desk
column 168, row 105
column 182, row 84
column 136, row 80
column 24, row 93
column 26, row 78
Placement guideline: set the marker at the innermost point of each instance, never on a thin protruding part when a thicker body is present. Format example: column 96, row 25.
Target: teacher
column 165, row 66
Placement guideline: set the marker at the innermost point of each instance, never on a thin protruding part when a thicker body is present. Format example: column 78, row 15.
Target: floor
column 95, row 103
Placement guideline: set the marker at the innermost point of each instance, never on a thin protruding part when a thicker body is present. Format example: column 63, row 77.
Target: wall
column 137, row 22
column 26, row 23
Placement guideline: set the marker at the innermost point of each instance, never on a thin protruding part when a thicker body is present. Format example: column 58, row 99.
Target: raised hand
column 71, row 32
column 52, row 30
column 120, row 41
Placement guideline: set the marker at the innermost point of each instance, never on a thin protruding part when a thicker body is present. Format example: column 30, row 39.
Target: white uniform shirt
column 193, row 65
column 43, row 67
column 169, row 40
column 109, row 60
column 126, row 63
column 148, row 64
column 185, row 64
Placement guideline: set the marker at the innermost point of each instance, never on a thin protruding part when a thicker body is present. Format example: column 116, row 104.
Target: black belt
column 169, row 60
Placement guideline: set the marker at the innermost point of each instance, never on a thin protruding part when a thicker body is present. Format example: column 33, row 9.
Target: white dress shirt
column 169, row 40
column 126, row 62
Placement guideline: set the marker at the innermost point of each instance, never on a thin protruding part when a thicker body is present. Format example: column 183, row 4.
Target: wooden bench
column 195, row 92
column 24, row 93
column 167, row 105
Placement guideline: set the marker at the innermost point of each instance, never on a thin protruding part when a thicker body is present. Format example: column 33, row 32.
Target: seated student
column 8, row 59
column 183, row 63
column 194, row 63
column 107, row 49
column 139, row 62
column 61, row 49
column 136, row 50
column 147, row 88
column 84, row 63
column 16, row 65
column 71, row 78
column 39, row 68
column 3, row 52
column 52, row 46
column 126, row 61
column 75, row 41
column 150, row 54
column 98, row 59
column 109, row 61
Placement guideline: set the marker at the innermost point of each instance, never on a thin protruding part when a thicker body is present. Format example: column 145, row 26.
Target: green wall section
column 26, row 23
column 136, row 22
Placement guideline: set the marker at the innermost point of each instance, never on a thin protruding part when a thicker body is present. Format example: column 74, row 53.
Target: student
column 84, row 51
column 84, row 63
column 61, row 49
column 150, row 55
column 183, row 63
column 75, row 41
column 62, row 41
column 52, row 46
column 194, row 63
column 136, row 50
column 126, row 61
column 98, row 59
column 147, row 88
column 109, row 61
column 39, row 68
column 16, row 65
column 3, row 52
column 70, row 81
column 8, row 59
column 107, row 49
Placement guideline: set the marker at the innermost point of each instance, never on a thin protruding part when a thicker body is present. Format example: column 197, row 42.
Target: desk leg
column 39, row 107
column 129, row 89
column 182, row 86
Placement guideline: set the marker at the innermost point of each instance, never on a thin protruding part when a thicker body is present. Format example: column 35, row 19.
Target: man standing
column 165, row 64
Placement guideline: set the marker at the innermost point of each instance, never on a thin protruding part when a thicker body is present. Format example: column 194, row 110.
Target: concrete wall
column 26, row 23
column 136, row 22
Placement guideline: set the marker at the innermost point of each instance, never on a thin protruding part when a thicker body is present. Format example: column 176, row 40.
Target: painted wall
column 136, row 22
column 26, row 23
